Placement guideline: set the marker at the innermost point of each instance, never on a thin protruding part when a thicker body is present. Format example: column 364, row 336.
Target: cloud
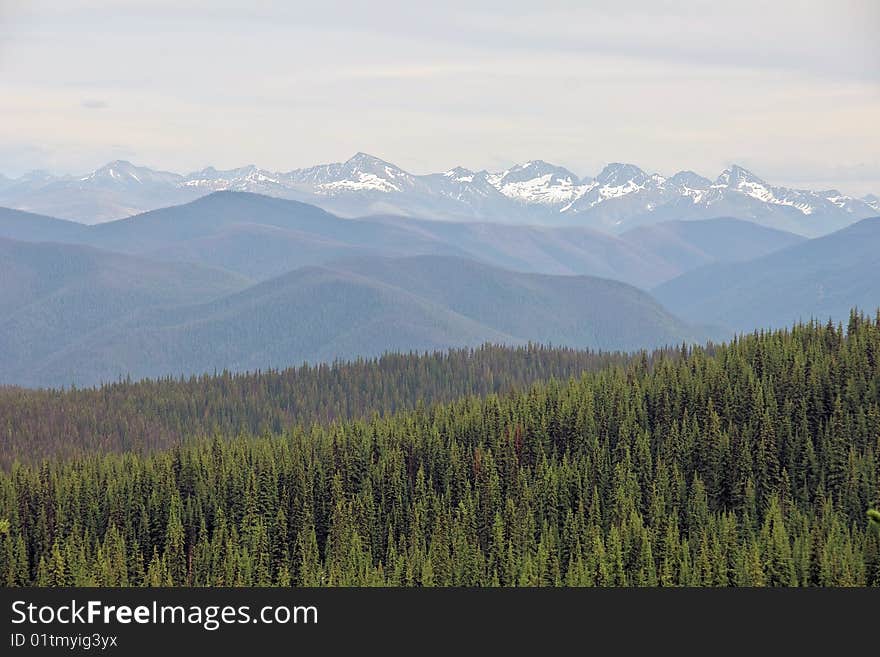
column 776, row 86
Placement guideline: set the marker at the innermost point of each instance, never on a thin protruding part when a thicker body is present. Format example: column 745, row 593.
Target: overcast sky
column 788, row 89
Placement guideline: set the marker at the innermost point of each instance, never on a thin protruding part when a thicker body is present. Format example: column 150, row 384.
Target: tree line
column 155, row 414
column 751, row 464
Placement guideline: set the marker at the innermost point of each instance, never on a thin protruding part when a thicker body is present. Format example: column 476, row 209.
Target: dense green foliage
column 752, row 465
column 150, row 414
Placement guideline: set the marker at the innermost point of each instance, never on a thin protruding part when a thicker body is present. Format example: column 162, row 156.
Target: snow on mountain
column 115, row 190
column 619, row 191
column 362, row 183
column 464, row 185
column 620, row 176
column 690, row 185
column 739, row 180
column 243, row 179
column 459, row 175
column 621, row 196
column 617, row 180
column 361, row 173
column 537, row 182
column 466, row 194
column 121, row 172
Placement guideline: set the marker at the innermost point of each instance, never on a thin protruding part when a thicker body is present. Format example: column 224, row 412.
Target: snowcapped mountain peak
column 618, row 179
column 537, row 182
column 124, row 165
column 615, row 181
column 619, row 174
column 116, row 170
column 737, row 176
column 537, row 166
column 369, row 163
column 690, row 179
column 360, row 156
column 535, row 169
column 622, row 195
column 360, row 173
column 739, row 179
column 123, row 172
column 228, row 174
column 460, row 175
column 249, row 178
column 689, row 184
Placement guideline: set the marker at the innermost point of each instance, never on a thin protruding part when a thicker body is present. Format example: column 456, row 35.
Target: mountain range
column 821, row 278
column 620, row 197
column 102, row 316
column 260, row 237
column 238, row 280
column 54, row 295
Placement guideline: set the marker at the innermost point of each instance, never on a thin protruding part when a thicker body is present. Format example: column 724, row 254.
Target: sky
column 788, row 89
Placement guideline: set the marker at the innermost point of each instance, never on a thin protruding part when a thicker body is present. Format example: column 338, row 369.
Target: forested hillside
column 160, row 413
column 750, row 465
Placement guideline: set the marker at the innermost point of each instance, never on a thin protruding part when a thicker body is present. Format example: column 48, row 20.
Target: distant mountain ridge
column 54, row 296
column 261, row 236
column 115, row 316
column 242, row 281
column 620, row 197
column 822, row 278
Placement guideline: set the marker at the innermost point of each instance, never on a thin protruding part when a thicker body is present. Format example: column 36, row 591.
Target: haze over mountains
column 260, row 237
column 54, row 295
column 821, row 278
column 104, row 316
column 238, row 280
column 620, row 197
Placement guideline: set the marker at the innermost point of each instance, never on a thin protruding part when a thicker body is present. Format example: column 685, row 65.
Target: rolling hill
column 577, row 311
column 257, row 236
column 29, row 227
column 362, row 307
column 263, row 237
column 55, row 295
column 545, row 250
column 820, row 278
column 691, row 244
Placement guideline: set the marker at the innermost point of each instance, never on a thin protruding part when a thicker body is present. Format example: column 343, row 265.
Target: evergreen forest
column 751, row 463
